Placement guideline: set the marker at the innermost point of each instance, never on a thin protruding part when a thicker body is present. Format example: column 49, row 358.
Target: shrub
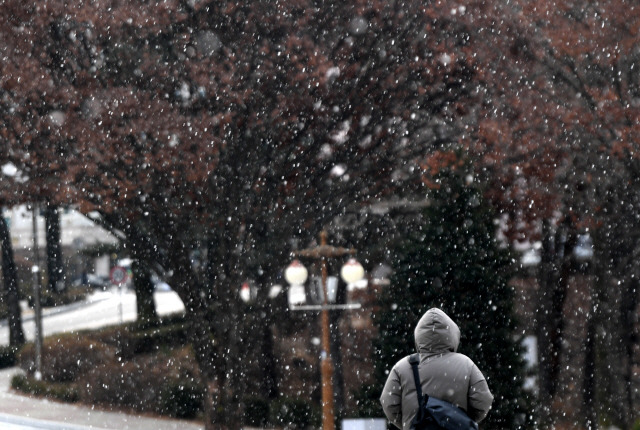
column 62, row 392
column 7, row 356
column 182, row 399
column 162, row 383
column 92, row 367
column 294, row 414
column 151, row 339
column 66, row 357
column 130, row 340
column 256, row 412
column 118, row 337
column 129, row 384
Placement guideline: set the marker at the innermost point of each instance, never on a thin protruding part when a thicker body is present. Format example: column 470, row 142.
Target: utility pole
column 322, row 253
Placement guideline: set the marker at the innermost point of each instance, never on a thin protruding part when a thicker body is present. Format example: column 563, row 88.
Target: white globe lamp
column 296, row 273
column 352, row 271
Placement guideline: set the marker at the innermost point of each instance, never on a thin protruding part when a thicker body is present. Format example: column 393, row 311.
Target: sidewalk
column 46, row 414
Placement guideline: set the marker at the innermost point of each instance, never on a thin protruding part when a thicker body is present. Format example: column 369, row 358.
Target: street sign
column 118, row 275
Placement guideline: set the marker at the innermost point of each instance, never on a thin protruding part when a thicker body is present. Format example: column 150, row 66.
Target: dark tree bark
column 336, row 349
column 589, row 389
column 143, row 287
column 629, row 339
column 10, row 276
column 268, row 362
column 554, row 272
column 589, row 383
column 55, row 270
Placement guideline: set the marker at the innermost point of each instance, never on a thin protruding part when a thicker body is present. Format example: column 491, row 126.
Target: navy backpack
column 436, row 414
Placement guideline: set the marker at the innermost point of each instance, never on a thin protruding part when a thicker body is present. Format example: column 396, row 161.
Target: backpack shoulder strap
column 414, row 360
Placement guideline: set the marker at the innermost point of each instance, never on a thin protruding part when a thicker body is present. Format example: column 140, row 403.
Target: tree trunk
column 55, row 270
column 545, row 327
column 336, row 351
column 336, row 356
column 143, row 287
column 214, row 336
column 589, row 378
column 268, row 364
column 211, row 368
column 142, row 283
column 233, row 384
column 554, row 273
column 10, row 276
column 628, row 332
column 203, row 343
column 269, row 373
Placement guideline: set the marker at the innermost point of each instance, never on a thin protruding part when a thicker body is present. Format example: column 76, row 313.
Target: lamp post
column 296, row 274
column 35, row 269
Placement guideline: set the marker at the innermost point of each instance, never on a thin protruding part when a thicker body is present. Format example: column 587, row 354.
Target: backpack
column 436, row 414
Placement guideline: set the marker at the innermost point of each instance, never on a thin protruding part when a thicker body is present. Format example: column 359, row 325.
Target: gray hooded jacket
column 444, row 374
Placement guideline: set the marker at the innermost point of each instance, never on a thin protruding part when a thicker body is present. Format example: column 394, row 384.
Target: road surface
column 102, row 308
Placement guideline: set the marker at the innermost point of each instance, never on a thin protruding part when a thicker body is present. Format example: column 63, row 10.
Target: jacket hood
column 436, row 333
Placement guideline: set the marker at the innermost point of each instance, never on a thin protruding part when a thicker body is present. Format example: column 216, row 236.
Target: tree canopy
column 215, row 137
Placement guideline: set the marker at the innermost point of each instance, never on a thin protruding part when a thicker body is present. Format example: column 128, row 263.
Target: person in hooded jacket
column 444, row 373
